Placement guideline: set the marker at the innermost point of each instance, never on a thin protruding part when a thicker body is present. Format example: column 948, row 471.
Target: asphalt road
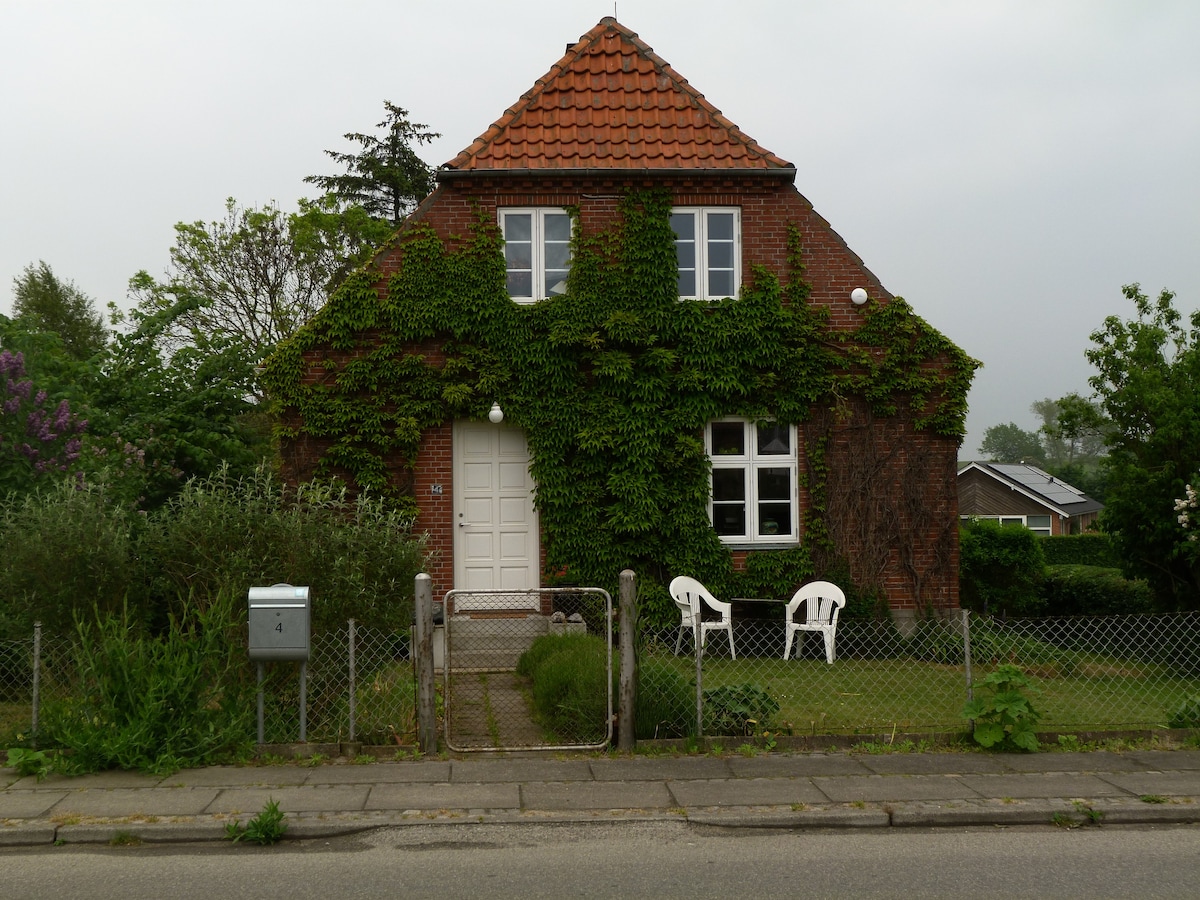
column 630, row 859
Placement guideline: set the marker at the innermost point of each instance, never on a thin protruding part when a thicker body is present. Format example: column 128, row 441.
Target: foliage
column 1004, row 718
column 38, row 437
column 336, row 237
column 1148, row 383
column 1011, row 444
column 223, row 534
column 1186, row 715
column 612, row 382
column 266, row 828
column 386, row 704
column 568, row 674
column 1093, row 549
column 44, row 302
column 1074, row 429
column 30, row 762
column 155, row 704
column 385, row 178
column 1093, row 591
column 1000, row 567
column 68, row 552
column 666, row 702
column 739, row 709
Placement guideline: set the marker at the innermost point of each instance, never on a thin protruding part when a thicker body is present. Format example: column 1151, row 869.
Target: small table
column 757, row 608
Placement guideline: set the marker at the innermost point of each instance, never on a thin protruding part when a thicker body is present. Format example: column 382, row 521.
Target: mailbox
column 279, row 617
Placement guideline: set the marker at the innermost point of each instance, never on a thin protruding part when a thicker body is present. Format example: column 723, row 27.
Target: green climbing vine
column 613, row 383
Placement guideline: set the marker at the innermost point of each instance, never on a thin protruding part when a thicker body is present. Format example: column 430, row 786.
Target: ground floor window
column 1039, row 525
column 753, row 497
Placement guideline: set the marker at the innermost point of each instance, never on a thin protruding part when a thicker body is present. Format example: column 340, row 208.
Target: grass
column 14, row 720
column 908, row 695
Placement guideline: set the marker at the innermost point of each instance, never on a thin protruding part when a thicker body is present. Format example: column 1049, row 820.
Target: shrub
column 570, row 693
column 739, row 709
column 1004, row 718
column 1077, row 590
column 1000, row 567
column 155, row 704
column 666, row 702
column 1079, row 550
column 1187, row 714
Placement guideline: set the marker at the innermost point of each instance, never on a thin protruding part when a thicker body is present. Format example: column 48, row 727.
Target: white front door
column 496, row 530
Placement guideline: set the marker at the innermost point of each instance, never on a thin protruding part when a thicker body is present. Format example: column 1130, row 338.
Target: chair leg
column 787, row 644
column 729, row 630
column 829, row 647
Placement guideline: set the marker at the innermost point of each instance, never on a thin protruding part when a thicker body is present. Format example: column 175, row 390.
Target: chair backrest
column 822, row 599
column 688, row 592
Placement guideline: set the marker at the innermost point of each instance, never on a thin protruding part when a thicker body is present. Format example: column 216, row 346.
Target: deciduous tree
column 44, row 302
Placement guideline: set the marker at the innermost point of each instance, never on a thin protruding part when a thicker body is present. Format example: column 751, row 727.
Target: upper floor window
column 753, row 497
column 537, row 252
column 708, row 246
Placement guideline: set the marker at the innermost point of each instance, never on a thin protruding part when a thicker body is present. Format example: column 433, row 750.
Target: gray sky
column 1005, row 166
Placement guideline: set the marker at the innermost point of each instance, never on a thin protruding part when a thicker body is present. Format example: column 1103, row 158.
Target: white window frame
column 751, row 461
column 538, row 249
column 708, row 249
column 1042, row 530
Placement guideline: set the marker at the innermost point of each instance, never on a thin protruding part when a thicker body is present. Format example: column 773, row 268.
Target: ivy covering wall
column 613, row 383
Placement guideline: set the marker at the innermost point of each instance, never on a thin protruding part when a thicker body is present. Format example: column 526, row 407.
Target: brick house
column 870, row 463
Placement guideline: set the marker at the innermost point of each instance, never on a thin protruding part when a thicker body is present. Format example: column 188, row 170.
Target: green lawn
column 869, row 695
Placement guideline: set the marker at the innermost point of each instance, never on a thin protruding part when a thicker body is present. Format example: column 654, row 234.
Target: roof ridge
column 657, row 132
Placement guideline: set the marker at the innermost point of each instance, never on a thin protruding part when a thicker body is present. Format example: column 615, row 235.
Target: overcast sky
column 1004, row 166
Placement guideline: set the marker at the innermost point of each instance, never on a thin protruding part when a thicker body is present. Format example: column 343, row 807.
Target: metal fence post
column 37, row 668
column 351, row 698
column 627, row 700
column 966, row 636
column 426, row 706
column 699, row 644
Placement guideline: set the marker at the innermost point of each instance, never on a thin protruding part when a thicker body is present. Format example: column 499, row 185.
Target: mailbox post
column 279, row 631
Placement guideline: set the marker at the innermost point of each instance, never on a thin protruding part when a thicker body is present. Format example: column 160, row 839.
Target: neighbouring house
column 1018, row 493
column 617, row 336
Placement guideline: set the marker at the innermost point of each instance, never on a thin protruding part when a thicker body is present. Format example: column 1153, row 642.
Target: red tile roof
column 612, row 103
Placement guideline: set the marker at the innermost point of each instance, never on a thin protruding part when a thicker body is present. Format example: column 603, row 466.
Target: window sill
column 760, row 545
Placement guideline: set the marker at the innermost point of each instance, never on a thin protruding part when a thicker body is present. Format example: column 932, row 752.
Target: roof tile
column 611, row 102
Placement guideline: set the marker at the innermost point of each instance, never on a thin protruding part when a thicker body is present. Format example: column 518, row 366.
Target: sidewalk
column 769, row 790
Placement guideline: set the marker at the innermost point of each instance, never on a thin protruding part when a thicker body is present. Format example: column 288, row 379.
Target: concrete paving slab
column 381, row 773
column 1084, row 761
column 28, row 804
column 1041, row 784
column 122, row 802
column 250, row 801
column 1165, row 784
column 1165, row 760
column 443, row 796
column 931, row 763
column 928, row 813
column 662, row 768
column 479, row 771
column 784, row 765
column 238, row 776
column 578, row 795
column 746, row 792
column 100, row 780
column 882, row 788
column 820, row 817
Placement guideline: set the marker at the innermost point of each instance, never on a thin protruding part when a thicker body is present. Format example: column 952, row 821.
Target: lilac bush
column 38, row 438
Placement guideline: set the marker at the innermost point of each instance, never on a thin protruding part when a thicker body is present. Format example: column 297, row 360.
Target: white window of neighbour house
column 708, row 248
column 754, row 495
column 537, row 252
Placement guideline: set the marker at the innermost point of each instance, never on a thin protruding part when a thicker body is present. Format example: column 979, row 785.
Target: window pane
column 720, row 256
column 558, row 256
column 687, row 284
column 1012, row 520
column 1037, row 521
column 685, row 255
column 518, row 256
column 729, row 519
column 518, row 228
column 774, row 439
column 720, row 284
column 728, row 438
column 684, row 226
column 520, row 284
column 774, row 484
column 774, row 518
column 728, row 484
column 556, row 282
column 558, row 227
column 720, row 226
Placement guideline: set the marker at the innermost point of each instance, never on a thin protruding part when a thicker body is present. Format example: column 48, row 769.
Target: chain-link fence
column 1089, row 673
column 527, row 669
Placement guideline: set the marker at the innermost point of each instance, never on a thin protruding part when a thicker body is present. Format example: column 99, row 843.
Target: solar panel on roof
column 1041, row 483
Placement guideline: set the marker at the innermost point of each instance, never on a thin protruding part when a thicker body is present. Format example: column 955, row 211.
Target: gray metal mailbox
column 279, row 617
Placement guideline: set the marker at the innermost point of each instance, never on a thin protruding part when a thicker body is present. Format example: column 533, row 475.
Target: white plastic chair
column 823, row 601
column 689, row 595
